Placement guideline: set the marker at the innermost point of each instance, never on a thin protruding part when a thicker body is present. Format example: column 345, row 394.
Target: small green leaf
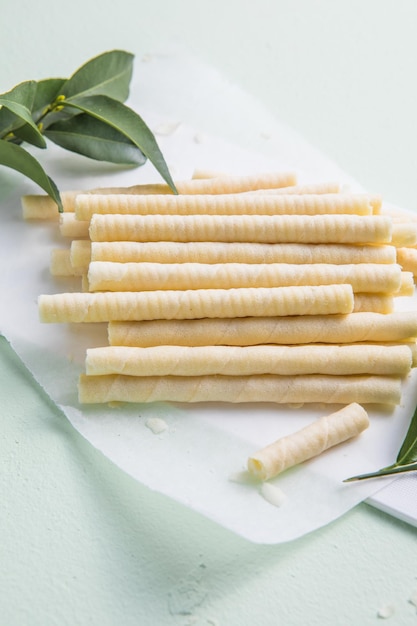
column 407, row 457
column 8, row 121
column 95, row 139
column 408, row 450
column 18, row 159
column 107, row 74
column 46, row 92
column 127, row 122
column 19, row 101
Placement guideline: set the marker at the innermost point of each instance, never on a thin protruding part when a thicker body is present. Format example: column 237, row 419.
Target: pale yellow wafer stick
column 364, row 277
column 82, row 252
column 310, row 441
column 407, row 258
column 340, row 360
column 43, row 207
column 355, row 327
column 237, row 184
column 200, row 172
column 35, row 207
column 223, row 204
column 404, row 234
column 373, row 303
column 191, row 304
column 60, row 263
column 326, row 187
column 71, row 227
column 262, row 388
column 242, row 228
column 407, row 287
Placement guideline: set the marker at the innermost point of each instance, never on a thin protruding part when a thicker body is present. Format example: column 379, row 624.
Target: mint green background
column 82, row 543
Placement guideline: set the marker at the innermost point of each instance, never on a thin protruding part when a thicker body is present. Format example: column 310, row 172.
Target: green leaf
column 127, row 122
column 46, row 92
column 19, row 101
column 407, row 457
column 408, row 451
column 8, row 121
column 95, row 139
column 107, row 74
column 22, row 161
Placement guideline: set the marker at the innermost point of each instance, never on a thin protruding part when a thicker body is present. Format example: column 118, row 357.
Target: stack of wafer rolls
column 238, row 289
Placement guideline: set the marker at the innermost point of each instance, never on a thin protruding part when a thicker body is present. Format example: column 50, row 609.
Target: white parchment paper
column 200, row 120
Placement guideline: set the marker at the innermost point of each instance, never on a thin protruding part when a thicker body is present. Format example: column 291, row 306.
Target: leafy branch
column 85, row 114
column 406, row 460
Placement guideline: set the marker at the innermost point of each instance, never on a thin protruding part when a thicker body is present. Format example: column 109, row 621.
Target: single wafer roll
column 310, row 441
column 80, row 254
column 73, row 228
column 397, row 326
column 192, row 304
column 373, row 303
column 235, row 389
column 43, row 207
column 243, row 228
column 404, row 234
column 83, row 251
column 407, row 258
column 326, row 187
column 60, row 263
column 364, row 277
column 387, row 360
column 223, row 204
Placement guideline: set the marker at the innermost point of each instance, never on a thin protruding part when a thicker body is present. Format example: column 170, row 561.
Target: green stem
column 385, row 471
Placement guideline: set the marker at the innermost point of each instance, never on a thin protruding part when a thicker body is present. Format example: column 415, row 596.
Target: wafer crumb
column 156, row 424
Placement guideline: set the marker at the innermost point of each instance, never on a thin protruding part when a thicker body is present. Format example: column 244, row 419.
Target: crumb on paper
column 156, row 424
column 386, row 611
column 199, row 138
column 167, row 128
column 273, row 494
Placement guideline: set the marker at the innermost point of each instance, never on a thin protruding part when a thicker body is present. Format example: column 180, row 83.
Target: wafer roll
column 373, row 303
column 407, row 258
column 82, row 252
column 404, row 234
column 310, row 441
column 365, row 277
column 242, row 228
column 356, row 327
column 192, row 304
column 306, row 188
column 73, row 228
column 43, row 207
column 236, row 389
column 341, row 360
column 60, row 263
column 223, row 204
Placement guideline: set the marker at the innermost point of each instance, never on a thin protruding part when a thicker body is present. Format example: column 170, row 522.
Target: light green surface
column 81, row 542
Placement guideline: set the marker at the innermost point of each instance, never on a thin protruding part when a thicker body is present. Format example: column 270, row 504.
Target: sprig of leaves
column 85, row 114
column 406, row 460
